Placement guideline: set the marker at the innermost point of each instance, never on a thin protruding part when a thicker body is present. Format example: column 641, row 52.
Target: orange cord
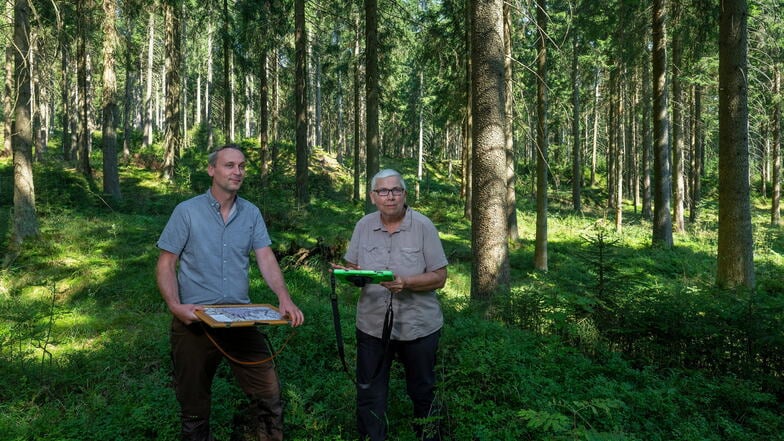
column 251, row 363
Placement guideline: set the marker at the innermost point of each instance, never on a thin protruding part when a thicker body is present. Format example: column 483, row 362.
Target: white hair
column 387, row 173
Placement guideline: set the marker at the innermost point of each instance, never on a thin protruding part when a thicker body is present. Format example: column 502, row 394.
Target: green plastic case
column 362, row 277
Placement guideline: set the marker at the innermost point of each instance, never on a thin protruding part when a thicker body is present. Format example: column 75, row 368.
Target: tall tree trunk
column 595, row 119
column 111, row 177
column 25, row 218
column 275, row 108
column 620, row 148
column 421, row 141
column 372, row 96
column 35, row 96
column 8, row 89
column 540, row 246
column 173, row 136
column 678, row 121
column 735, row 259
column 647, row 143
column 228, row 128
column 662, row 219
column 468, row 125
column 317, row 105
column 208, row 86
column 490, row 270
column 301, row 105
column 129, row 101
column 577, row 163
column 511, row 197
column 775, row 211
column 696, row 156
column 357, row 114
column 85, row 134
column 148, row 85
column 264, row 114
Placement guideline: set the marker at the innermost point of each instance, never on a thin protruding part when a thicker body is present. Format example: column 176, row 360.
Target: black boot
column 196, row 428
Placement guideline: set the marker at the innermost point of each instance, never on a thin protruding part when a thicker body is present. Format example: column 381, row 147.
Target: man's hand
column 186, row 313
column 290, row 310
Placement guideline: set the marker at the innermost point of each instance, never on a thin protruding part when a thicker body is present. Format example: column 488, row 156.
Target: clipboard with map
column 228, row 316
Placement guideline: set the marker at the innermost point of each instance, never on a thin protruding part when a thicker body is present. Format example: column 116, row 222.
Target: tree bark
column 511, row 196
column 208, row 86
column 301, row 105
column 111, row 177
column 466, row 188
column 540, row 246
column 83, row 76
column 577, row 165
column 775, row 210
column 357, row 114
column 173, row 93
column 678, row 119
column 264, row 115
column 490, row 270
column 25, row 218
column 8, row 92
column 148, row 85
column 662, row 219
column 735, row 260
column 696, row 156
column 228, row 117
column 647, row 143
column 372, row 96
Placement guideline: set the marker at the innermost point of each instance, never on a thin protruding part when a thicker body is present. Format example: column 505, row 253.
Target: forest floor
column 617, row 341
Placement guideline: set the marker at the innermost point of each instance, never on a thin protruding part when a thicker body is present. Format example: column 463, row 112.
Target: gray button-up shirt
column 214, row 255
column 414, row 249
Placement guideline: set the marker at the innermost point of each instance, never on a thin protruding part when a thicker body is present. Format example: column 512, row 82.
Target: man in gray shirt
column 211, row 236
column 406, row 242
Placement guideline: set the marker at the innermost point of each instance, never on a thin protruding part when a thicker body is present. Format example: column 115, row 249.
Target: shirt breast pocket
column 374, row 257
column 412, row 258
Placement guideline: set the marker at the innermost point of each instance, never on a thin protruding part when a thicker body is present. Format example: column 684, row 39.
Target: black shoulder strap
column 386, row 334
column 338, row 331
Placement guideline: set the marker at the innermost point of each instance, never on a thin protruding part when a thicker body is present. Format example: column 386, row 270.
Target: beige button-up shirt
column 414, row 249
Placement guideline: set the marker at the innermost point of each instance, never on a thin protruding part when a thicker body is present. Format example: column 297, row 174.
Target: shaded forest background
column 611, row 313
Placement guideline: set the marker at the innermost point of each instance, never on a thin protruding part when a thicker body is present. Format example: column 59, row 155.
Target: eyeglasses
column 397, row 191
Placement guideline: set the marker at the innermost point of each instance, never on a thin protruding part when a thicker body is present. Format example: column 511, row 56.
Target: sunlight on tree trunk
column 490, row 271
column 25, row 218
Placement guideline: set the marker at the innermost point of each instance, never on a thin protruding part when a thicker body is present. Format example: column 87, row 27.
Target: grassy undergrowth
column 617, row 341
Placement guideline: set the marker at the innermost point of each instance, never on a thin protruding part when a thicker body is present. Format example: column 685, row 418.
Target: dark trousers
column 196, row 358
column 418, row 358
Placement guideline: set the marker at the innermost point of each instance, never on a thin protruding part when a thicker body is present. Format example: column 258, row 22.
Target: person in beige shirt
column 402, row 240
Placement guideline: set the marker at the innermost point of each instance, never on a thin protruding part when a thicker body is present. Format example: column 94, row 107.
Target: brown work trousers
column 196, row 358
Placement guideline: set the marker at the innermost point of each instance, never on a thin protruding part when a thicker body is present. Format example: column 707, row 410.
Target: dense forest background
column 606, row 178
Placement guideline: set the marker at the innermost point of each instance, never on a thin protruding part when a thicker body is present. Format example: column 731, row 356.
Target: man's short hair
column 212, row 158
column 387, row 173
